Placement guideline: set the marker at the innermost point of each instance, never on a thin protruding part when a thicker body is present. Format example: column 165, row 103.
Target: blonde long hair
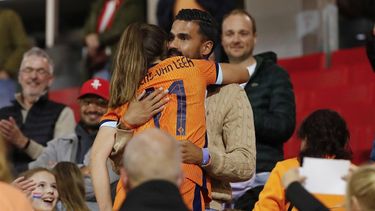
column 140, row 46
column 361, row 187
column 5, row 175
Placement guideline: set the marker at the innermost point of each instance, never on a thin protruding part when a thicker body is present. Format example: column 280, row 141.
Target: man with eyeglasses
column 32, row 120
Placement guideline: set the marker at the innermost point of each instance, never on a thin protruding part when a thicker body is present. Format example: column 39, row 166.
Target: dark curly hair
column 325, row 134
column 208, row 27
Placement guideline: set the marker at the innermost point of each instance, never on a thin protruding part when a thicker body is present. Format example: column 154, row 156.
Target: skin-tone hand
column 25, row 185
column 11, row 133
column 142, row 110
column 85, row 171
column 3, row 75
column 292, row 176
column 191, row 153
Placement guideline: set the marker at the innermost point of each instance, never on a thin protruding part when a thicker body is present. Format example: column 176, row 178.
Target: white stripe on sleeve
column 112, row 124
column 219, row 79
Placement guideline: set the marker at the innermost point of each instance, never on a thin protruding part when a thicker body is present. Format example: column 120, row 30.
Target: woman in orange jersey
column 324, row 134
column 141, row 66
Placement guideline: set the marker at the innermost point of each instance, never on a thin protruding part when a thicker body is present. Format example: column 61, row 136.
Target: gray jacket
column 65, row 149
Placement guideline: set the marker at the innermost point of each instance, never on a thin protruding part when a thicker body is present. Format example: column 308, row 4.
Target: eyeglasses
column 39, row 71
column 96, row 101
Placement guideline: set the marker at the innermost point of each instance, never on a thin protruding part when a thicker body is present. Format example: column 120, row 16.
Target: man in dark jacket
column 152, row 173
column 272, row 100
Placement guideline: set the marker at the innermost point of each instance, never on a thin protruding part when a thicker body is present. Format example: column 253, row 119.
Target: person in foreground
column 324, row 134
column 8, row 193
column 360, row 191
column 144, row 46
column 154, row 186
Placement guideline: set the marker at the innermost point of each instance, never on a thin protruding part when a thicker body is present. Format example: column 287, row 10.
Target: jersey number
column 178, row 89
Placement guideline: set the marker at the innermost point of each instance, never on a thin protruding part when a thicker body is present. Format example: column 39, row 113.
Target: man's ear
column 206, row 47
column 124, row 177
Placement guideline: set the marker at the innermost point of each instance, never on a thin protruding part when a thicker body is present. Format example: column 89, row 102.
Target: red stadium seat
column 349, row 56
column 68, row 97
column 320, row 78
column 303, row 63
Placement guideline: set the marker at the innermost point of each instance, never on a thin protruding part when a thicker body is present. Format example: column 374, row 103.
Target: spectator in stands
column 32, row 120
column 103, row 29
column 14, row 43
column 45, row 195
column 370, row 47
column 154, row 186
column 272, row 100
column 75, row 147
column 360, row 192
column 324, row 134
column 10, row 197
column 70, row 186
column 230, row 156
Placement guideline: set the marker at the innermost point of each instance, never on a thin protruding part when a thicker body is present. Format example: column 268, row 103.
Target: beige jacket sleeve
column 65, row 123
column 231, row 136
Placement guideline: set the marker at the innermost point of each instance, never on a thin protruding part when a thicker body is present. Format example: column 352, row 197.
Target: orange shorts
column 192, row 195
column 190, row 191
column 120, row 195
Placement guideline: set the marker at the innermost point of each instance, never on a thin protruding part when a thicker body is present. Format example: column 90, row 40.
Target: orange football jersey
column 184, row 114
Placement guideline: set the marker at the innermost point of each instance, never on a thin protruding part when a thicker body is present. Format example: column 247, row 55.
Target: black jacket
column 370, row 49
column 155, row 195
column 39, row 126
column 272, row 99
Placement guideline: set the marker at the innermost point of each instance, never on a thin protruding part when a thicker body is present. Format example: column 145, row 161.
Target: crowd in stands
column 161, row 123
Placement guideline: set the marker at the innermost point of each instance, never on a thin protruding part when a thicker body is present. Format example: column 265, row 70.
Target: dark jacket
column 38, row 126
column 370, row 49
column 272, row 99
column 155, row 195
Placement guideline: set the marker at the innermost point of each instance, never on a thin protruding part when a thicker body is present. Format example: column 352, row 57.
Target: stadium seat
column 68, row 97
